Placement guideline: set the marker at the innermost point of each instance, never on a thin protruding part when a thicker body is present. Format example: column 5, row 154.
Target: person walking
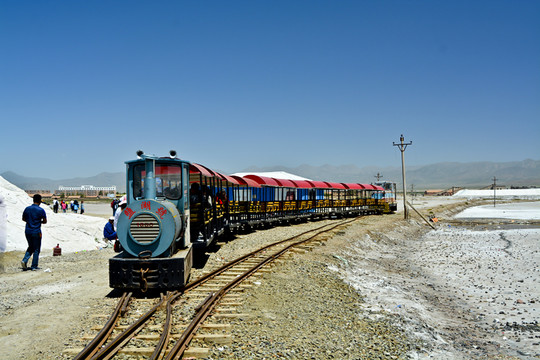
column 34, row 216
column 121, row 206
column 55, row 206
column 114, row 205
column 82, row 207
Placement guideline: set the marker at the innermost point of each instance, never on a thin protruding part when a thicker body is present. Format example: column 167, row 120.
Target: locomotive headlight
column 173, row 153
column 140, row 153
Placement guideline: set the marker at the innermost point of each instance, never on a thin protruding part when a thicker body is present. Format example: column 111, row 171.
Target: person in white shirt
column 121, row 207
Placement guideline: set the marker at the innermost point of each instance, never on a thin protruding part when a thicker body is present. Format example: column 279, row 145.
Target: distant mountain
column 434, row 176
column 32, row 183
column 440, row 175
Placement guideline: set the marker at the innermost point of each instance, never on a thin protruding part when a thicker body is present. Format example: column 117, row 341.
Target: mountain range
column 37, row 183
column 434, row 176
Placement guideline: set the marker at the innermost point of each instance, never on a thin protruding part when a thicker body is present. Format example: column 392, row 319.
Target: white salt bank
column 73, row 232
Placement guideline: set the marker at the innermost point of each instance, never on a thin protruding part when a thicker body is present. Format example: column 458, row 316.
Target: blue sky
column 229, row 84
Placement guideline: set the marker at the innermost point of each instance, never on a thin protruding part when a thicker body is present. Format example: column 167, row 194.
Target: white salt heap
column 531, row 194
column 73, row 232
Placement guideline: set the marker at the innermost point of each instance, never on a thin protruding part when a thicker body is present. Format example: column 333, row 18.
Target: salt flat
column 517, row 211
column 466, row 293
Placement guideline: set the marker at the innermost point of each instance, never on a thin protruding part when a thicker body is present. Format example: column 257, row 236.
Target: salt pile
column 73, row 232
column 503, row 193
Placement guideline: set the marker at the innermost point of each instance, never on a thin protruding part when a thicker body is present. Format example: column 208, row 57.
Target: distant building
column 447, row 192
column 433, row 192
column 86, row 190
column 498, row 187
column 450, row 192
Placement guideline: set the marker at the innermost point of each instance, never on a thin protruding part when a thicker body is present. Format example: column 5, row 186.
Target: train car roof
column 253, row 180
column 228, row 178
column 334, row 185
column 353, row 186
column 286, row 183
column 303, row 184
column 273, row 174
column 262, row 180
column 246, row 181
column 197, row 168
column 319, row 184
column 373, row 187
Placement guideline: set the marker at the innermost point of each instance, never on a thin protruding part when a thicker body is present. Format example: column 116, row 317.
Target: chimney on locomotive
column 150, row 178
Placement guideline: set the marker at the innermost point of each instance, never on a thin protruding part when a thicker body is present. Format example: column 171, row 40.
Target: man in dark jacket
column 34, row 216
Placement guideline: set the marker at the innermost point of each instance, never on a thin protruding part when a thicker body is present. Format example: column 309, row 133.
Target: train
column 389, row 194
column 176, row 209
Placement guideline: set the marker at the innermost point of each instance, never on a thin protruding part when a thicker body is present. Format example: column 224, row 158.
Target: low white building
column 86, row 190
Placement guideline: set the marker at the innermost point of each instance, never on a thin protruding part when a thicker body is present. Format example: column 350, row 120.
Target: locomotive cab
column 154, row 227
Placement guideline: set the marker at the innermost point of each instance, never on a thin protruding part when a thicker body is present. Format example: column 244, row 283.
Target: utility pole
column 402, row 146
column 494, row 189
column 378, row 176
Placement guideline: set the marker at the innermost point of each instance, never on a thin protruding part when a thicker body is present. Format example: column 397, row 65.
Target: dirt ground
column 41, row 312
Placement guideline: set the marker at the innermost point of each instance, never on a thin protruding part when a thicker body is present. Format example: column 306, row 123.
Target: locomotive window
column 168, row 181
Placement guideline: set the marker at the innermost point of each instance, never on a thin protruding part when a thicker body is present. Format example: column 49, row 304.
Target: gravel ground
column 304, row 309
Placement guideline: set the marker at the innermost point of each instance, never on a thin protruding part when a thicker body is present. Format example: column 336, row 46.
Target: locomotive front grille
column 144, row 228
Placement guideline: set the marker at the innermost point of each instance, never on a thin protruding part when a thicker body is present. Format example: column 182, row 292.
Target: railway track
column 164, row 327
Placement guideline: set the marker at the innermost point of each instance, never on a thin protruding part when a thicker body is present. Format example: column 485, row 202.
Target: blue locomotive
column 153, row 229
column 176, row 209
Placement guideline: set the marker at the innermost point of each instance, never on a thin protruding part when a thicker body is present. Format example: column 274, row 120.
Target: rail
column 103, row 346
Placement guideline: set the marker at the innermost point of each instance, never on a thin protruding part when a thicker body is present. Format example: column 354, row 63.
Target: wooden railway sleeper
column 110, row 349
column 205, row 308
column 95, row 345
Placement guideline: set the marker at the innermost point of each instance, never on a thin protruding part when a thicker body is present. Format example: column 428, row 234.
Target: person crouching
column 108, row 231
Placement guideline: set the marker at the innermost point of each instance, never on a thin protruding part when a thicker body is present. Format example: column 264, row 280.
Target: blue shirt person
column 34, row 216
column 108, row 230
